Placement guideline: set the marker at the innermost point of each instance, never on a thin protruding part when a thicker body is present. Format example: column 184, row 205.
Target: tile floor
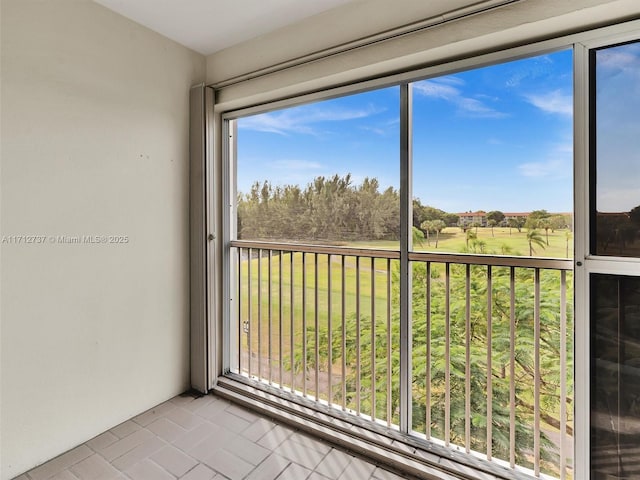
column 205, row 438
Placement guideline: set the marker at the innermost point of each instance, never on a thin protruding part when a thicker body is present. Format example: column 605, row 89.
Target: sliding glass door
column 612, row 260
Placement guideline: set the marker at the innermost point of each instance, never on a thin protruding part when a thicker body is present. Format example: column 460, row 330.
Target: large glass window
column 615, row 152
column 326, row 172
column 321, row 308
column 493, row 155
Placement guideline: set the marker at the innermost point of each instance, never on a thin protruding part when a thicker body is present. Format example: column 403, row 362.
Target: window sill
column 387, row 447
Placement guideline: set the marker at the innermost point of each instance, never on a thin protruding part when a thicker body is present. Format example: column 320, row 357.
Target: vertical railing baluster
column 256, row 337
column 358, row 362
column 259, row 327
column 489, row 365
column 343, row 346
column 270, row 313
column 467, row 356
column 447, row 355
column 512, row 367
column 330, row 334
column 304, row 324
column 316, row 358
column 280, row 320
column 292, row 338
column 563, row 375
column 389, row 339
column 260, row 376
column 373, row 339
column 536, row 393
column 249, row 310
column 239, row 303
column 428, row 352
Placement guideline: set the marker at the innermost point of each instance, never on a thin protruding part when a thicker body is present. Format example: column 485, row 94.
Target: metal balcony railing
column 491, row 343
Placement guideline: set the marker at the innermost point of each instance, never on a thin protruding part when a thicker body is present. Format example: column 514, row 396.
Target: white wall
column 94, row 141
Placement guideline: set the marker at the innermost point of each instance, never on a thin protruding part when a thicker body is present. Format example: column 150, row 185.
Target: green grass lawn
column 503, row 241
column 271, row 309
column 499, row 241
column 277, row 303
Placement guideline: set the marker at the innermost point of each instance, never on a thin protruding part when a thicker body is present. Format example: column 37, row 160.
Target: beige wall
column 516, row 24
column 94, row 141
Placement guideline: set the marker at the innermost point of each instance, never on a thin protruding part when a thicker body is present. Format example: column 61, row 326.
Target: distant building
column 470, row 218
column 480, row 217
column 513, row 215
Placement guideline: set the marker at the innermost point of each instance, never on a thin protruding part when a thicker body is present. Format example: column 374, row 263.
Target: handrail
column 323, row 249
column 457, row 258
column 493, row 260
column 316, row 307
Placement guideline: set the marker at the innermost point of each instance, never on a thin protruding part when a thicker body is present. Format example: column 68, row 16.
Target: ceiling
column 208, row 26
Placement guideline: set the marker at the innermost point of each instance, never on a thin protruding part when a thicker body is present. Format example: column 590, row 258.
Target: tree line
column 335, row 209
column 330, row 209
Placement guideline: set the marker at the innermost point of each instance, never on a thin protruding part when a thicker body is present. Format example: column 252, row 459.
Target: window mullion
column 405, row 266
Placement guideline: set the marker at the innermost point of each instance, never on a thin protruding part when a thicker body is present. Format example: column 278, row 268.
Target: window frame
column 584, row 262
column 588, row 263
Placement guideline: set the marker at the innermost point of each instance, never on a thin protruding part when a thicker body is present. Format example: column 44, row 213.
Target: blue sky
column 493, row 138
column 618, row 128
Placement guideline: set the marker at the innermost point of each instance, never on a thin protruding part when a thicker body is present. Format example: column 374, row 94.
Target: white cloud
column 377, row 130
column 476, row 108
column 434, row 89
column 552, row 102
column 451, row 80
column 529, row 70
column 625, row 58
column 557, row 164
column 443, row 89
column 302, row 119
column 546, row 168
column 296, row 165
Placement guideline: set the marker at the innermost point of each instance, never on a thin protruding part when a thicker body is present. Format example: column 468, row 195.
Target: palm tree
column 438, row 225
column 492, row 223
column 517, row 222
column 533, row 236
column 470, row 236
column 427, row 227
column 546, row 224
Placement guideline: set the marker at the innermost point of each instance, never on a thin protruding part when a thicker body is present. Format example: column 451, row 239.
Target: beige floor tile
column 295, row 472
column 94, row 467
column 61, row 463
column 125, row 429
column 229, row 465
column 102, row 441
column 139, row 453
column 200, row 472
column 147, row 470
column 174, row 461
column 207, row 438
column 166, row 429
column 270, row 468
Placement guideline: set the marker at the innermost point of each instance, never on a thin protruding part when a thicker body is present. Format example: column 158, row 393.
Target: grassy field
column 500, row 241
column 281, row 294
column 268, row 294
column 273, row 299
column 277, row 305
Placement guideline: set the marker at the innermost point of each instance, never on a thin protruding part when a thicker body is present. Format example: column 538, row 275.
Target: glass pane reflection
column 615, row 377
column 616, row 95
